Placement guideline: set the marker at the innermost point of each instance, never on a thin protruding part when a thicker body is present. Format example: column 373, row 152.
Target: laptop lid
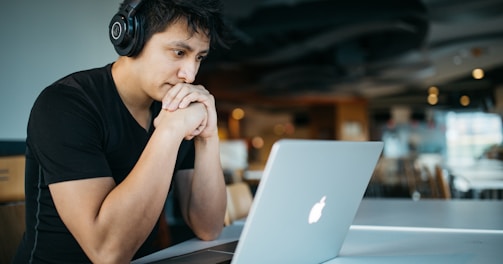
column 306, row 201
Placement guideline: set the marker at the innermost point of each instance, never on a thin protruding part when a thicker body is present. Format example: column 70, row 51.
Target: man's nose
column 188, row 72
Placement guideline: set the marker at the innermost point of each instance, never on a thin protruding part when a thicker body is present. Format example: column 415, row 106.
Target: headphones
column 125, row 30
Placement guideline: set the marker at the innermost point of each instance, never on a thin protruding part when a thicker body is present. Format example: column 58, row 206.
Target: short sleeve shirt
column 79, row 128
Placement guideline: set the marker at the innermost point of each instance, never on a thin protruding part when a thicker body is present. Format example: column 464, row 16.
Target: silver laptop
column 305, row 203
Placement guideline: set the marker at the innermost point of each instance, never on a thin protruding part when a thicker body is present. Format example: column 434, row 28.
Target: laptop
column 304, row 205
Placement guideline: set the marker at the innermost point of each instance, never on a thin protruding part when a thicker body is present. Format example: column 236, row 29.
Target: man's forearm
column 208, row 200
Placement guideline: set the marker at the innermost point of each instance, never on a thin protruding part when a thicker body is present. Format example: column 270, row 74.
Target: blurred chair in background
column 443, row 188
column 239, row 201
column 12, row 206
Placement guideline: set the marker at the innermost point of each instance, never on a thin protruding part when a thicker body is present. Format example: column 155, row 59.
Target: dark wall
column 9, row 148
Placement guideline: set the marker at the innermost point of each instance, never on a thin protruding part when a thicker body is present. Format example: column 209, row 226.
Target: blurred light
column 289, row 128
column 464, row 100
column 238, row 113
column 477, row 52
column 432, row 99
column 478, row 73
column 279, row 129
column 433, row 90
column 257, row 142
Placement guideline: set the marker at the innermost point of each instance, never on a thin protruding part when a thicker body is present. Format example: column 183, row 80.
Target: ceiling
column 387, row 51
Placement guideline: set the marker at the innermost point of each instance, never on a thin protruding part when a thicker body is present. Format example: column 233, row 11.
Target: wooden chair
column 432, row 183
column 443, row 189
column 163, row 239
column 12, row 205
column 239, row 201
column 12, row 178
column 438, row 187
column 12, row 226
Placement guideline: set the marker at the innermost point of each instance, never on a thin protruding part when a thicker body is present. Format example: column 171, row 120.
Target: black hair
column 202, row 16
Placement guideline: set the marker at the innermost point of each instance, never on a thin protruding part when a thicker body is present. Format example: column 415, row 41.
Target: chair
column 12, row 226
column 432, row 183
column 413, row 177
column 443, row 189
column 163, row 238
column 239, row 201
column 437, row 186
column 12, row 178
column 12, row 206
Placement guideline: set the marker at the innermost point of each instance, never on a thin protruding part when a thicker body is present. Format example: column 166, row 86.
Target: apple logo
column 317, row 210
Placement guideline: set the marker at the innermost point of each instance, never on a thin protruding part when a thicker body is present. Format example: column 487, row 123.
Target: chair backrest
column 12, row 206
column 12, row 178
column 438, row 186
column 12, row 226
column 239, row 201
column 444, row 191
column 432, row 183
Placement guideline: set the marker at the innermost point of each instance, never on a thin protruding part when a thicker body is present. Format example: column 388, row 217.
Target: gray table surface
column 403, row 231
column 455, row 213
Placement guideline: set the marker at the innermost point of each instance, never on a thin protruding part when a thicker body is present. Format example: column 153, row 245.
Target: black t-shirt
column 78, row 128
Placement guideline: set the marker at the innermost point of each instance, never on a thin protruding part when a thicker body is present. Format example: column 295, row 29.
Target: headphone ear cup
column 117, row 30
column 125, row 32
column 137, row 40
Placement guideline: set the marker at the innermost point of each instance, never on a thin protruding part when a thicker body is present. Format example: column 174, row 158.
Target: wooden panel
column 352, row 122
column 12, row 178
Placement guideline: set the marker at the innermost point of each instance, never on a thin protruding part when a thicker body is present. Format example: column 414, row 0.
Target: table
column 403, row 231
column 429, row 246
column 431, row 213
column 483, row 175
column 426, row 231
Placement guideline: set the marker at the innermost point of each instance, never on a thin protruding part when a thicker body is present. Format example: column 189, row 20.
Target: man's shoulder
column 87, row 87
column 87, row 78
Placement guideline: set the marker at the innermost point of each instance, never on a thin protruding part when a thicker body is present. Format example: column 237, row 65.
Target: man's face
column 170, row 57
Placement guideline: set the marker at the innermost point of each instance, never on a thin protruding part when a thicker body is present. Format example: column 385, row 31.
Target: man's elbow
column 108, row 257
column 210, row 234
column 112, row 256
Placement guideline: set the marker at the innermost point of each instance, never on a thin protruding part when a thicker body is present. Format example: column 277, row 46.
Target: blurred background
column 423, row 76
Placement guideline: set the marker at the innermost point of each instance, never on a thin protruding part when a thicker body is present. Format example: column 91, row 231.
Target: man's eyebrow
column 184, row 45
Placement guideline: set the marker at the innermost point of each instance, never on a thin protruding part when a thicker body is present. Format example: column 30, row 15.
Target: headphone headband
column 132, row 7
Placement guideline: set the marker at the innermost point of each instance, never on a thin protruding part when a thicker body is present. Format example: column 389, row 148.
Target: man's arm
column 202, row 192
column 111, row 222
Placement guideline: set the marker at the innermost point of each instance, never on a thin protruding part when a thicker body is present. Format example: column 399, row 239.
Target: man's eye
column 179, row 53
column 201, row 58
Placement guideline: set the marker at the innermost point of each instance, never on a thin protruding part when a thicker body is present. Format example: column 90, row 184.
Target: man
column 104, row 146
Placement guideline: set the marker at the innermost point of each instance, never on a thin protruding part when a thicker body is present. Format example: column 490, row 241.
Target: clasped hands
column 191, row 108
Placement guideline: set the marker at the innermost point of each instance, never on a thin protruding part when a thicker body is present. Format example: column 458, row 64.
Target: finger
column 193, row 97
column 175, row 101
column 181, row 95
column 168, row 99
column 196, row 132
column 172, row 98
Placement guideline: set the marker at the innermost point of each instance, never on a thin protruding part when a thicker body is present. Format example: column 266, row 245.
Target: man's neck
column 130, row 92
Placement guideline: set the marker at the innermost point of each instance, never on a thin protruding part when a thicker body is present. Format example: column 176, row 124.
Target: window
column 468, row 135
